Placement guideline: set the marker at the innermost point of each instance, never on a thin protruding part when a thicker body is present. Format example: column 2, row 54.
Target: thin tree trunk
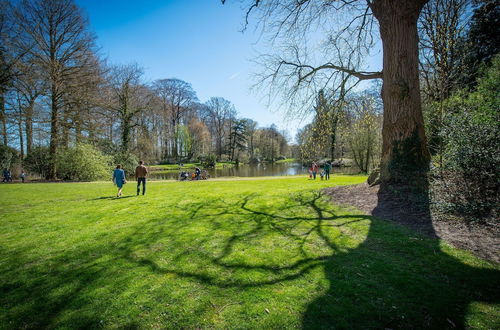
column 125, row 134
column 54, row 134
column 78, row 126
column 3, row 118
column 65, row 128
column 334, row 139
column 20, row 127
column 21, row 138
column 405, row 157
column 29, row 126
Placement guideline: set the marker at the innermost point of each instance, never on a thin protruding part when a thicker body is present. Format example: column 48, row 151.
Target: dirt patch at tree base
column 482, row 240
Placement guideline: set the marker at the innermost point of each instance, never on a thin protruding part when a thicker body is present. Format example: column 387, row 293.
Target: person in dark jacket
column 119, row 179
column 140, row 174
column 327, row 168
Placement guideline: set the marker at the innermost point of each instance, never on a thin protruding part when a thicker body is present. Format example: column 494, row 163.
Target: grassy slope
column 230, row 254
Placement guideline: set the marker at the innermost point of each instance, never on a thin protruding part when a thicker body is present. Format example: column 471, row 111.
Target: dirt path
column 483, row 241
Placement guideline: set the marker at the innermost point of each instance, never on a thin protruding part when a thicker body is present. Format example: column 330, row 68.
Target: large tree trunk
column 405, row 157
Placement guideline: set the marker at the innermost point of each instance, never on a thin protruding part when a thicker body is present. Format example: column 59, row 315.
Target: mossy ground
column 262, row 253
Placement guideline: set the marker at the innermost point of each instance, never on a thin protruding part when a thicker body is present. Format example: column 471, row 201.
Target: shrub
column 8, row 157
column 127, row 161
column 470, row 173
column 83, row 163
column 468, row 181
column 38, row 161
column 209, row 161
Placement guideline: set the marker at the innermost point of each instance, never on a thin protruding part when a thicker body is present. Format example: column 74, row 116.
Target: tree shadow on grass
column 380, row 276
column 401, row 279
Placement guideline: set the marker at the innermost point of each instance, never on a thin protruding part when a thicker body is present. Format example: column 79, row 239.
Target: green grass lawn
column 286, row 160
column 263, row 253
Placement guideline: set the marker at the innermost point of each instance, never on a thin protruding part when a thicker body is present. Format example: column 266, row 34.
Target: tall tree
column 128, row 98
column 442, row 25
column 55, row 34
column 482, row 42
column 219, row 113
column 405, row 157
column 237, row 139
column 177, row 98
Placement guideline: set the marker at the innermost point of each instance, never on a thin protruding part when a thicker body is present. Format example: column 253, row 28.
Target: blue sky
column 198, row 41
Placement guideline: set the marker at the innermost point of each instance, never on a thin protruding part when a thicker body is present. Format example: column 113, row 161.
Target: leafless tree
column 55, row 34
column 442, row 25
column 176, row 97
column 218, row 114
column 128, row 97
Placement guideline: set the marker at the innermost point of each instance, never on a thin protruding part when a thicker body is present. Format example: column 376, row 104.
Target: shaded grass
column 229, row 254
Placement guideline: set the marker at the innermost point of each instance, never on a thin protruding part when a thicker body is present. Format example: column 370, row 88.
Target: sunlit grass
column 256, row 253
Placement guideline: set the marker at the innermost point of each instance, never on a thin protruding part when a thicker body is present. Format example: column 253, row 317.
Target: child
column 310, row 173
column 322, row 174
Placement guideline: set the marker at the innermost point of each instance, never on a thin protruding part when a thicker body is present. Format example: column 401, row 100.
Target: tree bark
column 405, row 157
column 333, row 136
column 65, row 128
column 126, row 134
column 54, row 135
column 29, row 126
column 21, row 138
column 4, row 119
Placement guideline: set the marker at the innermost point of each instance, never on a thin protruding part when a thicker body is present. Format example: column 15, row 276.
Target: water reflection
column 251, row 170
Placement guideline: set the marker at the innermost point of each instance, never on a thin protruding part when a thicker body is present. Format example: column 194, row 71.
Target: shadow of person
column 400, row 279
column 111, row 197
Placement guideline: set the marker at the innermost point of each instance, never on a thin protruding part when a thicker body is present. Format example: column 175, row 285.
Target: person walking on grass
column 5, row 175
column 314, row 168
column 328, row 168
column 119, row 179
column 140, row 174
column 23, row 176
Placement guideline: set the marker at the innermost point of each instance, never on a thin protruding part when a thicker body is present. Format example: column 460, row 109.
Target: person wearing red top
column 314, row 168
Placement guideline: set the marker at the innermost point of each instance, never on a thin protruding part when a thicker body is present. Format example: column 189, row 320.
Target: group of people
column 141, row 172
column 324, row 173
column 140, row 175
column 196, row 175
column 7, row 176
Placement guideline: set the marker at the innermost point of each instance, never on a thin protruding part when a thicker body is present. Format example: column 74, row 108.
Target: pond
column 252, row 170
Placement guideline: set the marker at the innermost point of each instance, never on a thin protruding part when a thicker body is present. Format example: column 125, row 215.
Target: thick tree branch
column 312, row 70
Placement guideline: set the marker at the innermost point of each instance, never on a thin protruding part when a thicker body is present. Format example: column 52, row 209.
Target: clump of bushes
column 9, row 157
column 83, row 163
column 209, row 161
column 38, row 161
column 468, row 180
column 127, row 161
